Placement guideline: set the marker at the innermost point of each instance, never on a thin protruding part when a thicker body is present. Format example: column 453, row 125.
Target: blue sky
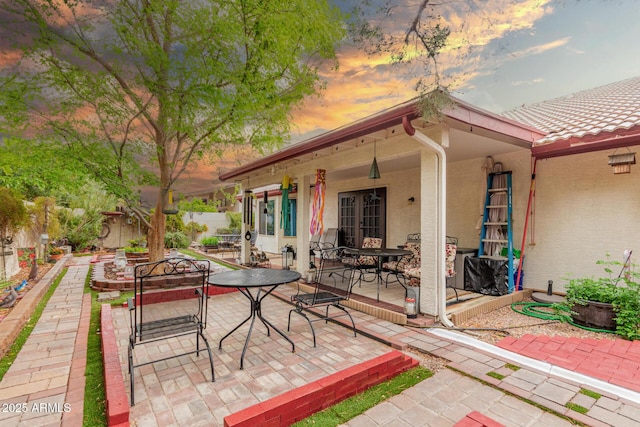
column 598, row 45
column 516, row 52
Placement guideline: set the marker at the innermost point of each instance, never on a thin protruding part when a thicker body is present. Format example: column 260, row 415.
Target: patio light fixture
column 621, row 163
column 374, row 172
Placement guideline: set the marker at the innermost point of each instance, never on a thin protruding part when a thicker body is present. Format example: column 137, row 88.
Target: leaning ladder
column 497, row 228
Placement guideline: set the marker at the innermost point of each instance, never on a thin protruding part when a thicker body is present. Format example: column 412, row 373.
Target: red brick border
column 297, row 404
column 476, row 419
column 282, row 410
column 77, row 378
column 117, row 405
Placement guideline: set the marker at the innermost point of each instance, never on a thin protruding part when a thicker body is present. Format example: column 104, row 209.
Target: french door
column 362, row 214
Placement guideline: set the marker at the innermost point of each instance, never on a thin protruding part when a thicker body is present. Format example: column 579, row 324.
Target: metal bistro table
column 244, row 281
column 379, row 253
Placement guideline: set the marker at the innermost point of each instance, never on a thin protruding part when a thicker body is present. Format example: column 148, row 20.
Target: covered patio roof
column 475, row 131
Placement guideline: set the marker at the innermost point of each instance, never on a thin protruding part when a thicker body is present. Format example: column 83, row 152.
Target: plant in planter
column 210, row 242
column 622, row 292
column 55, row 253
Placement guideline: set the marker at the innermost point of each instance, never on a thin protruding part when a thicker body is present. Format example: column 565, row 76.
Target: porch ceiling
column 473, row 133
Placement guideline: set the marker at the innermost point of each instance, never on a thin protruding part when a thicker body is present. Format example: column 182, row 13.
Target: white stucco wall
column 402, row 217
column 213, row 221
column 466, row 191
column 582, row 213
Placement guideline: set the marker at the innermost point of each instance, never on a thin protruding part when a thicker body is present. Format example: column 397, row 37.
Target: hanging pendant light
column 374, row 172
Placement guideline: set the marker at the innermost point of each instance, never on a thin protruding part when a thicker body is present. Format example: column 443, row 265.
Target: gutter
column 577, row 146
column 442, row 221
column 460, row 115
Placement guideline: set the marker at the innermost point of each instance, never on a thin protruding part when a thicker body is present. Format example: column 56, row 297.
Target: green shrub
column 621, row 291
column 176, row 239
column 134, row 249
column 210, row 241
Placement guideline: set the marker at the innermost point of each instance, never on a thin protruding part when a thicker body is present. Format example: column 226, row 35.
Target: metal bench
column 329, row 288
column 151, row 321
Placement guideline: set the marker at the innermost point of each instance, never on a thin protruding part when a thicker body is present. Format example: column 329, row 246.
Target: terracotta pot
column 595, row 315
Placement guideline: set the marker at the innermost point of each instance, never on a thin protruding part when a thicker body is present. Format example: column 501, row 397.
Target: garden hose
column 533, row 309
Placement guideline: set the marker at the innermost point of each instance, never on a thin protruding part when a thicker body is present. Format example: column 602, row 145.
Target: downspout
column 441, row 221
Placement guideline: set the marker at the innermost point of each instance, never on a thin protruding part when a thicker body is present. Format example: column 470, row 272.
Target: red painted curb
column 297, row 404
column 117, row 405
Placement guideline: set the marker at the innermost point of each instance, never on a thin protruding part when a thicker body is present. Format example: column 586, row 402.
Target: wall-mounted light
column 265, row 198
column 621, row 163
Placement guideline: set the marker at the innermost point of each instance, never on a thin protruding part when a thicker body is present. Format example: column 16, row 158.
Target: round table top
column 378, row 251
column 253, row 277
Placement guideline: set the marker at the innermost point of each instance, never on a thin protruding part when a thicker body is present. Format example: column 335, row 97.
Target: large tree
column 161, row 83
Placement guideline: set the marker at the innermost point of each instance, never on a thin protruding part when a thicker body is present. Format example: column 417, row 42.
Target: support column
column 429, row 247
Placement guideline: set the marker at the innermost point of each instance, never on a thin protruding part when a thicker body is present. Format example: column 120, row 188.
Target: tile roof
column 594, row 112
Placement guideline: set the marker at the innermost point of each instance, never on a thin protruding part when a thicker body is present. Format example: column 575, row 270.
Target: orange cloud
column 364, row 85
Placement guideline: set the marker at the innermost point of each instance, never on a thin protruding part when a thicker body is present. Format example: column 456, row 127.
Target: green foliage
column 134, row 249
column 13, row 213
column 55, row 251
column 210, row 241
column 175, row 223
column 129, row 87
column 81, row 225
column 495, row 375
column 577, row 408
column 40, row 168
column 622, row 291
column 94, row 414
column 193, row 228
column 235, row 220
column 176, row 239
column 139, row 242
column 45, row 217
column 358, row 404
column 590, row 393
column 196, row 205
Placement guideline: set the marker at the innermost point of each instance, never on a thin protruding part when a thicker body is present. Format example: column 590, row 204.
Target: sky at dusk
column 516, row 52
column 500, row 54
column 508, row 53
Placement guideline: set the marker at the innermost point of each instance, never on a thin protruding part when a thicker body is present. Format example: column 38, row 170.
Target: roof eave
column 461, row 112
column 570, row 146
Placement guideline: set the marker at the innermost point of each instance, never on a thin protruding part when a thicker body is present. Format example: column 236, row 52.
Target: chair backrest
column 314, row 240
column 329, row 238
column 372, row 243
column 150, row 278
column 413, row 237
column 332, row 277
column 451, row 248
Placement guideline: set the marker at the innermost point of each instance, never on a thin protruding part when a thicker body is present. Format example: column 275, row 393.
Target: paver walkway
column 616, row 361
column 45, row 384
column 48, row 376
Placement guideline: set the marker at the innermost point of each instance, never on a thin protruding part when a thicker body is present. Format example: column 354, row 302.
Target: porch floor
column 466, row 305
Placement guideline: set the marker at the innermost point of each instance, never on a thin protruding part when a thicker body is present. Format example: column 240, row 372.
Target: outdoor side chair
column 152, row 322
column 330, row 288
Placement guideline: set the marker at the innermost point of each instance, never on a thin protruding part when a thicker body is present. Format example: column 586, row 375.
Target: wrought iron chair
column 151, row 322
column 328, row 289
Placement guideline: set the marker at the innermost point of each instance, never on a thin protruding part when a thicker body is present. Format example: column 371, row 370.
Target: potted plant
column 210, row 242
column 610, row 302
column 55, row 253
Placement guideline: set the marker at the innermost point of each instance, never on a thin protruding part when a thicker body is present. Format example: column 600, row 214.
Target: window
column 289, row 224
column 267, row 220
